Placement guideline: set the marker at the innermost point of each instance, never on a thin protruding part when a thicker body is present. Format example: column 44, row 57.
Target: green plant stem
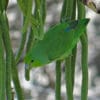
column 68, row 71
column 43, row 10
column 13, row 72
column 73, row 60
column 72, row 15
column 81, row 10
column 27, row 14
column 68, row 76
column 15, row 79
column 7, row 45
column 27, row 72
column 22, row 44
column 58, row 81
column 21, row 47
column 40, row 16
column 84, row 57
column 29, row 45
column 63, row 12
column 74, row 10
column 69, row 10
column 74, row 51
column 30, row 41
column 2, row 70
column 58, row 63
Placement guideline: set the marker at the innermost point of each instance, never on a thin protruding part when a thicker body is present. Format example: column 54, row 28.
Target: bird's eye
column 32, row 61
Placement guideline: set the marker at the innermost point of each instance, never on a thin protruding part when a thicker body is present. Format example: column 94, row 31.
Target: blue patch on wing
column 72, row 25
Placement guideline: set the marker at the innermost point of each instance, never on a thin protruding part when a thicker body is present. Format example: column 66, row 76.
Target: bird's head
column 36, row 58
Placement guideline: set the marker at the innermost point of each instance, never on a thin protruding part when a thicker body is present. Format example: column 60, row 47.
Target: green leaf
column 57, row 43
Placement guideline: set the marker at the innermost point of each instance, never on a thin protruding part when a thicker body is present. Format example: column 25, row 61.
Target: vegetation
column 70, row 25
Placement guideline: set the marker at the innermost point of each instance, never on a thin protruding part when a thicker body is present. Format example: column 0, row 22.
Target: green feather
column 57, row 43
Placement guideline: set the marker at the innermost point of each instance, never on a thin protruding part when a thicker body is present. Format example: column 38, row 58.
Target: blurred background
column 42, row 82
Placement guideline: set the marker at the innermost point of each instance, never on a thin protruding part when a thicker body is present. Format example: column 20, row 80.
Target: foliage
column 62, row 39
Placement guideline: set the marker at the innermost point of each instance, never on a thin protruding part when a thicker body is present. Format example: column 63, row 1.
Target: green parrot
column 57, row 43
